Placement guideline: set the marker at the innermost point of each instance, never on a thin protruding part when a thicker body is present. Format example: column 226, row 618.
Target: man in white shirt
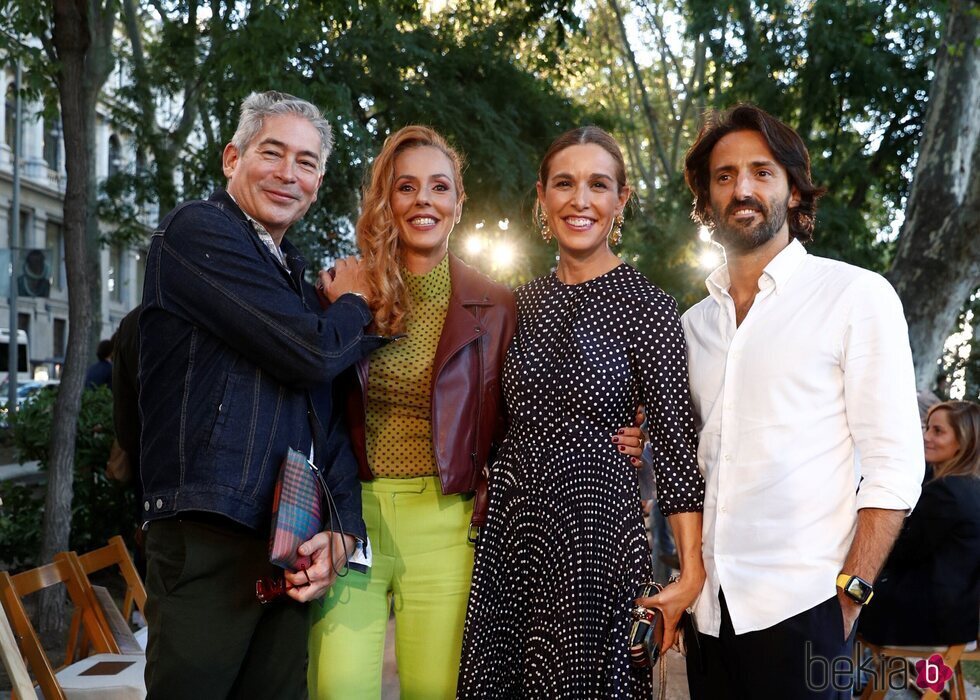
column 802, row 382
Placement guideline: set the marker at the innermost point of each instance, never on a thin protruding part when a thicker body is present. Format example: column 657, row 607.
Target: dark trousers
column 209, row 635
column 792, row 659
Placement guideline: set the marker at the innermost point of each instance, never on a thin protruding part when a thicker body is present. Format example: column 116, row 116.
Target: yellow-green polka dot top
column 399, row 394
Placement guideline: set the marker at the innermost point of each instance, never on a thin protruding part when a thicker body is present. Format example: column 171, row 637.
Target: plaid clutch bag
column 302, row 506
column 297, row 511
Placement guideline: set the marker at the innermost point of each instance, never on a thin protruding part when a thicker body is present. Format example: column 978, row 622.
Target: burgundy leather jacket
column 467, row 404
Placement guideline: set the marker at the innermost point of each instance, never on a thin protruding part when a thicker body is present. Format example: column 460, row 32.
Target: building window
column 34, row 280
column 52, row 143
column 10, row 116
column 140, row 274
column 54, row 241
column 115, row 155
column 60, row 333
column 22, row 234
column 115, row 276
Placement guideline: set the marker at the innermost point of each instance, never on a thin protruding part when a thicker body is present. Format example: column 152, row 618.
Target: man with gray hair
column 236, row 360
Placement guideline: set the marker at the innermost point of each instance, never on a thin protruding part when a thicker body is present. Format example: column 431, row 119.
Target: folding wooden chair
column 13, row 661
column 61, row 571
column 952, row 655
column 116, row 553
column 113, row 554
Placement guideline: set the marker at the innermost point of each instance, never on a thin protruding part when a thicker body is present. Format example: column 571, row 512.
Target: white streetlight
column 503, row 254
column 709, row 259
column 475, row 244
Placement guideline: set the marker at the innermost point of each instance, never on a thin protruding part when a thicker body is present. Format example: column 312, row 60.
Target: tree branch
column 648, row 110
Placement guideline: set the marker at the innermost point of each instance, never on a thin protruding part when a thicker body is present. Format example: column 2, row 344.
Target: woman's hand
column 680, row 595
column 630, row 441
column 673, row 600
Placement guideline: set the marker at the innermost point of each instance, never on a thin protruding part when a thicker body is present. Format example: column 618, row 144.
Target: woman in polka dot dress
column 423, row 412
column 564, row 550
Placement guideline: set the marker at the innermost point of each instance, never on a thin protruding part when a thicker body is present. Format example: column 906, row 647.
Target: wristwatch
column 855, row 588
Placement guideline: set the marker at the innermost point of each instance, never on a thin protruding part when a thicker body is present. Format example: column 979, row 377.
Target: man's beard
column 744, row 239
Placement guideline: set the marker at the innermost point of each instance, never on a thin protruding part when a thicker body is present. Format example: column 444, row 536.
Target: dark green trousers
column 209, row 637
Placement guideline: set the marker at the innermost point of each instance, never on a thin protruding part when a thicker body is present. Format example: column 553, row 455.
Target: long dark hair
column 786, row 146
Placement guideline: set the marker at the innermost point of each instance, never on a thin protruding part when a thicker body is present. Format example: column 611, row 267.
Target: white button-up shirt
column 811, row 395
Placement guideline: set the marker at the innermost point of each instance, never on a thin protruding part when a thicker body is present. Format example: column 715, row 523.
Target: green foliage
column 852, row 77
column 20, row 524
column 373, row 68
column 101, row 508
column 501, row 79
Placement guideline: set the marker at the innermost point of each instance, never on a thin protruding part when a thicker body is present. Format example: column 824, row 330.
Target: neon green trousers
column 421, row 567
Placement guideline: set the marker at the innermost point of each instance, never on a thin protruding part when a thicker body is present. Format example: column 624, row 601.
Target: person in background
column 425, row 414
column 100, row 373
column 928, row 593
column 126, row 416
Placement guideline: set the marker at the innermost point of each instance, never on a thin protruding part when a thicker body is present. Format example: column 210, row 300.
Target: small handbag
column 647, row 633
column 297, row 507
column 646, row 630
column 301, row 506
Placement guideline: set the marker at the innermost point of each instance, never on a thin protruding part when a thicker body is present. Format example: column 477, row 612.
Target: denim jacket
column 232, row 344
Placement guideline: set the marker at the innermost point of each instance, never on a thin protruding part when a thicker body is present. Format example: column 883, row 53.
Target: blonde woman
column 423, row 415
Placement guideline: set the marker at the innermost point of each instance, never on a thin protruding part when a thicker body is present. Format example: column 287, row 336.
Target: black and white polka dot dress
column 564, row 550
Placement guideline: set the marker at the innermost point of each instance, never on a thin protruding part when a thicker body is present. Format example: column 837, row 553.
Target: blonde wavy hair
column 377, row 235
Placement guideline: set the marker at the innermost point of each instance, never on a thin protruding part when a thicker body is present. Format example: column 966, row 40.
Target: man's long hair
column 786, row 146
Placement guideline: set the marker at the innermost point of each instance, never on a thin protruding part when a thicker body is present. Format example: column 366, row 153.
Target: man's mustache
column 747, row 203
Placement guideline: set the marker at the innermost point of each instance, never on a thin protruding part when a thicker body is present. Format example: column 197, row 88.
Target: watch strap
column 844, row 582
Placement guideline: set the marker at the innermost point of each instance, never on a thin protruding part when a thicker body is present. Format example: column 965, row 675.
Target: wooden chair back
column 116, row 554
column 952, row 656
column 13, row 660
column 63, row 570
column 113, row 554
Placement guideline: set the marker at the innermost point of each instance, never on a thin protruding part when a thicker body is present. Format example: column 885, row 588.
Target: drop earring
column 545, row 229
column 617, row 233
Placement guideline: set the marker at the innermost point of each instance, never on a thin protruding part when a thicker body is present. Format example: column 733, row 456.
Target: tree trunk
column 648, row 111
column 937, row 264
column 76, row 37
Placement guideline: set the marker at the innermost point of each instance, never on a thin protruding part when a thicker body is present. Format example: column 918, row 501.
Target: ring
column 307, row 575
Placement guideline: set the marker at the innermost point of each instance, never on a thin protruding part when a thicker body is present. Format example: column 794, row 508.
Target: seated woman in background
column 929, row 591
